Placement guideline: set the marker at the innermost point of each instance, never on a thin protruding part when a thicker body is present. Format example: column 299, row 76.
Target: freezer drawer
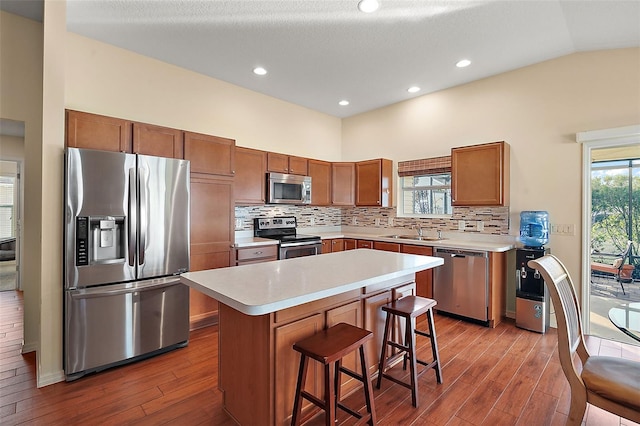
column 118, row 323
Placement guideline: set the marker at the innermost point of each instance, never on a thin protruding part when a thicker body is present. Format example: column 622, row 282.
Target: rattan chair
column 612, row 384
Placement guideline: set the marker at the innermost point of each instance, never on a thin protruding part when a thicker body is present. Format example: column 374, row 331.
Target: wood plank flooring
column 501, row 376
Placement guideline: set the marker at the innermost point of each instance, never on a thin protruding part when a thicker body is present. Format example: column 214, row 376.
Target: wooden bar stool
column 328, row 347
column 409, row 308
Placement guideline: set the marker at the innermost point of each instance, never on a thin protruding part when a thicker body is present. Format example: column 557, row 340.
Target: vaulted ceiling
column 320, row 52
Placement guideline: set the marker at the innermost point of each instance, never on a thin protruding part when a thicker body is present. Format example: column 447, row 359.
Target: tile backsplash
column 479, row 220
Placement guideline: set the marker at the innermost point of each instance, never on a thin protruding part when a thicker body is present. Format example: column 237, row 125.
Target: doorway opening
column 611, row 227
column 9, row 224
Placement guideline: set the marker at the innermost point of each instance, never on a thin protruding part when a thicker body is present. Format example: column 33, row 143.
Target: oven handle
column 302, row 243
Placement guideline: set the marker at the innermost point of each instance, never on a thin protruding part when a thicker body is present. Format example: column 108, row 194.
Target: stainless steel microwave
column 288, row 189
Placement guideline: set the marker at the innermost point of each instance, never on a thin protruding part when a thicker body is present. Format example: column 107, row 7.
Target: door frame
column 595, row 139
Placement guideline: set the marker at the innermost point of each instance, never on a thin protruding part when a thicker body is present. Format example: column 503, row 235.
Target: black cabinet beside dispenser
column 532, row 296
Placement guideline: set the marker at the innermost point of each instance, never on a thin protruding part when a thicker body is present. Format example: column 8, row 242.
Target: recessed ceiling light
column 343, row 102
column 413, row 89
column 368, row 6
column 259, row 71
column 463, row 63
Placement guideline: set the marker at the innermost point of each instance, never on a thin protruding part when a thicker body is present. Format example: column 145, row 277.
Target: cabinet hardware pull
column 258, row 252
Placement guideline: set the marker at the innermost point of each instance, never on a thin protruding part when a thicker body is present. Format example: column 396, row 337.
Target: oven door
column 291, row 250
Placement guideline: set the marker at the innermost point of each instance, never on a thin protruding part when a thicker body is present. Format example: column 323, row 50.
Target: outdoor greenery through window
column 427, row 194
column 615, row 207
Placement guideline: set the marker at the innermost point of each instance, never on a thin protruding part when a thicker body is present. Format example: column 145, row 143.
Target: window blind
column 425, row 166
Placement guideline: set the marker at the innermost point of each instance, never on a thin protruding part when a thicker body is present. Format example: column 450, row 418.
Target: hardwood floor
column 501, row 376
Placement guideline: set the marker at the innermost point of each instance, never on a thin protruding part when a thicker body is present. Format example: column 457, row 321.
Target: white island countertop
column 262, row 288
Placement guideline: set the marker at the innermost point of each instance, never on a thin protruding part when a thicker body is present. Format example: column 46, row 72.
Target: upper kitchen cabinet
column 85, row 130
column 158, row 141
column 343, row 178
column 282, row 163
column 250, row 178
column 320, row 172
column 374, row 183
column 210, row 155
column 480, row 175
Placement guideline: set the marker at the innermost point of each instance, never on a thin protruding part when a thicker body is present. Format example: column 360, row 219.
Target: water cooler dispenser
column 532, row 296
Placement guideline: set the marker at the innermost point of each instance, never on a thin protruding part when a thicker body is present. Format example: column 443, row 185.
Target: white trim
column 619, row 136
column 51, row 378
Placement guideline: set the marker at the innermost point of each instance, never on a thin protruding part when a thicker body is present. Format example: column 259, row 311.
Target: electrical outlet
column 312, row 221
column 461, row 225
column 238, row 223
column 354, row 221
column 390, row 221
column 480, row 225
column 377, row 221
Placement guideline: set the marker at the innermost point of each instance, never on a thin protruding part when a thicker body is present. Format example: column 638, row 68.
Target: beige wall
column 538, row 110
column 21, row 100
column 11, row 148
column 104, row 79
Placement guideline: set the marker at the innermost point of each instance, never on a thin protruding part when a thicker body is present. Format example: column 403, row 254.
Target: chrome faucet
column 439, row 234
column 418, row 229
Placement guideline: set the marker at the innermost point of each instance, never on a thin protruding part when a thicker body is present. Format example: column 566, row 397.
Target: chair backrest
column 626, row 253
column 563, row 295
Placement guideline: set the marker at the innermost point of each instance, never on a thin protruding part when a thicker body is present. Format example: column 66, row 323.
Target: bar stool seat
column 328, row 347
column 409, row 308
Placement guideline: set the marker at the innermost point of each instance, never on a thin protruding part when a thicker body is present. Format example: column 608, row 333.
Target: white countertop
column 262, row 288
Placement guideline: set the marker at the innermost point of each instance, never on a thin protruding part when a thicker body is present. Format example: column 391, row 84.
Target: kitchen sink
column 414, row 237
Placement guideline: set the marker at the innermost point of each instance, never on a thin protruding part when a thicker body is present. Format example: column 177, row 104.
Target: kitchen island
column 266, row 307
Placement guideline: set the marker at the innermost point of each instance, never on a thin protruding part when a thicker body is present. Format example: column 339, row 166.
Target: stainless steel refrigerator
column 126, row 241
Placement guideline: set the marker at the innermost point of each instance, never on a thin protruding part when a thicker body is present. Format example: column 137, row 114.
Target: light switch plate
column 461, row 225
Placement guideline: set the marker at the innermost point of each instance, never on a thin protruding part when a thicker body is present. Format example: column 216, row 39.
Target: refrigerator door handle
column 143, row 214
column 132, row 216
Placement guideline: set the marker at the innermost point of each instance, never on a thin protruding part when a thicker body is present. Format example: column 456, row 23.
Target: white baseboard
column 51, row 378
column 29, row 347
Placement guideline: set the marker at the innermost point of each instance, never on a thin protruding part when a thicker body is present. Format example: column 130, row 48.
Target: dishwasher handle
column 440, row 252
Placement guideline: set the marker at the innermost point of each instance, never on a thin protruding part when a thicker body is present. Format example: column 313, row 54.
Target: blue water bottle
column 534, row 228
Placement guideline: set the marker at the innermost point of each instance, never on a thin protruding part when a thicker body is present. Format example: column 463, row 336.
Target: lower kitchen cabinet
column 364, row 244
column 287, row 362
column 332, row 245
column 381, row 245
column 424, row 279
column 349, row 244
column 247, row 255
column 374, row 319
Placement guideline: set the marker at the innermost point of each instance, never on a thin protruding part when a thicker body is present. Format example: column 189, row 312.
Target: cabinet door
column 250, row 177
column 212, row 234
column 480, row 175
column 278, row 163
column 337, row 244
column 326, row 246
column 349, row 244
column 424, row 279
column 350, row 313
column 158, row 141
column 320, row 172
column 374, row 319
column 374, row 183
column 298, row 165
column 380, row 245
column 364, row 244
column 287, row 362
column 343, row 184
column 210, row 155
column 84, row 130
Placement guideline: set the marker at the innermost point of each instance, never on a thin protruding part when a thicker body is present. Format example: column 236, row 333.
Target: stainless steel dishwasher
column 461, row 284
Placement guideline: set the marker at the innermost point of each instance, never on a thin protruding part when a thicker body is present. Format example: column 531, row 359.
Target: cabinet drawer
column 257, row 253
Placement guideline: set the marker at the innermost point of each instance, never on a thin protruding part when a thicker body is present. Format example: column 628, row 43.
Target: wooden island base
column 258, row 366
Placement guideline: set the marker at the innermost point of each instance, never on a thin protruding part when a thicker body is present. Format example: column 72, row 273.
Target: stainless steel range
column 284, row 229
